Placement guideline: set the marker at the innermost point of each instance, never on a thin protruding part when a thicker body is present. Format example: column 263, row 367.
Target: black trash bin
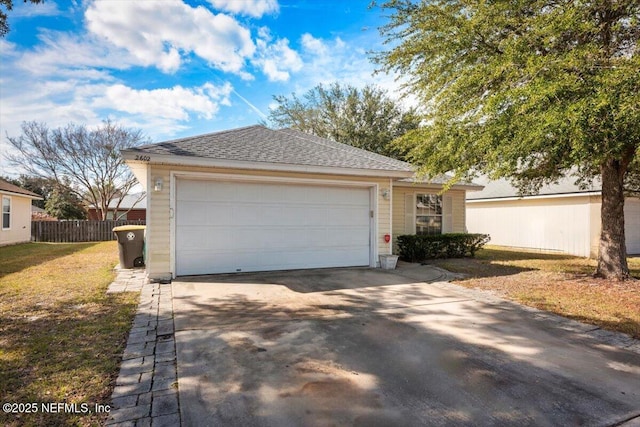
column 130, row 245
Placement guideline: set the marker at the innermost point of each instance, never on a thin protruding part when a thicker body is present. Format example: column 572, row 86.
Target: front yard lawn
column 557, row 283
column 61, row 335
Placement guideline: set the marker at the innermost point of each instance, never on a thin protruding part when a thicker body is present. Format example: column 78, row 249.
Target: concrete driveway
column 369, row 347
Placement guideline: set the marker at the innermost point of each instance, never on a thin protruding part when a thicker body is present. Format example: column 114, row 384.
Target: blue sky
column 176, row 68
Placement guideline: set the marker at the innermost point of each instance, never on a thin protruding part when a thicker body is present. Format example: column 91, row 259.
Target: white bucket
column 388, row 262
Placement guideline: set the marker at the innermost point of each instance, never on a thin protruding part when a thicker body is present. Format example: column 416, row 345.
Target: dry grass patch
column 557, row 283
column 61, row 335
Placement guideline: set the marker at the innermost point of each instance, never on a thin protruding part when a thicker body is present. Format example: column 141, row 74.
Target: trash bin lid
column 129, row 227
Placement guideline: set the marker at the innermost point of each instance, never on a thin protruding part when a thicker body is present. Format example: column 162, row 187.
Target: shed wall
column 560, row 224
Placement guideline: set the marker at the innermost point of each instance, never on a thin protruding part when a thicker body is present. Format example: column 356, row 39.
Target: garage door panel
column 251, row 193
column 297, row 196
column 222, row 193
column 219, row 214
column 268, row 193
column 347, row 216
column 227, row 227
column 246, row 215
column 196, row 191
column 272, row 215
column 356, row 236
column 308, row 215
column 193, row 213
column 193, row 237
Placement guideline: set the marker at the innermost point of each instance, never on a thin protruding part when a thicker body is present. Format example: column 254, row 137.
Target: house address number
column 143, row 158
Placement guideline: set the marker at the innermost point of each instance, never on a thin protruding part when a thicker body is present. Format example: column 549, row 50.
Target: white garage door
column 632, row 225
column 224, row 227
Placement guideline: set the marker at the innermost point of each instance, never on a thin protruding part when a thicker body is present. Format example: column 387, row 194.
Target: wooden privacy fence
column 76, row 230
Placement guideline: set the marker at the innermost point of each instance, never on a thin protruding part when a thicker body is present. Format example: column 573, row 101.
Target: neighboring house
column 561, row 218
column 132, row 207
column 256, row 199
column 16, row 213
column 39, row 214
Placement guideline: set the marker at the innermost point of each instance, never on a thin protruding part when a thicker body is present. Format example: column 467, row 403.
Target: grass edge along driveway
column 61, row 335
column 561, row 284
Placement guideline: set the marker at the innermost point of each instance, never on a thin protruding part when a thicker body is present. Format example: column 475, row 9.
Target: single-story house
column 257, row 199
column 132, row 207
column 16, row 213
column 561, row 218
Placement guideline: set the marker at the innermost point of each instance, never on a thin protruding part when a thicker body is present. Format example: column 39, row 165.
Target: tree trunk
column 612, row 251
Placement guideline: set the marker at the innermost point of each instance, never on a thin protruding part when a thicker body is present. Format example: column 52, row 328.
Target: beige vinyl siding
column 384, row 216
column 159, row 222
column 400, row 216
column 20, row 228
column 459, row 210
column 158, row 237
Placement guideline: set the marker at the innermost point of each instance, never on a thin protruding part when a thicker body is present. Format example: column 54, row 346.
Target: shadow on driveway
column 369, row 347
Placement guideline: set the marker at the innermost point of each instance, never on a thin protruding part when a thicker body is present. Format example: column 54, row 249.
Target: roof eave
column 460, row 186
column 15, row 193
column 136, row 157
column 535, row 196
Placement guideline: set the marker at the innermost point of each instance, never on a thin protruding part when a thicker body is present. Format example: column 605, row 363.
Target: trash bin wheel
column 138, row 262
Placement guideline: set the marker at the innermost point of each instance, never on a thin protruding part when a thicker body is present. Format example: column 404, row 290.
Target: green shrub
column 417, row 248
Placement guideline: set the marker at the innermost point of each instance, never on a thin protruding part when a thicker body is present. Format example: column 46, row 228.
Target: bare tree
column 88, row 159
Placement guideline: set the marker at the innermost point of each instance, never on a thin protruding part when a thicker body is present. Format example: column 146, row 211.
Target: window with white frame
column 428, row 214
column 6, row 212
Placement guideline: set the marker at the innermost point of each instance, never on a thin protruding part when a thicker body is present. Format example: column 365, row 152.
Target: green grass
column 557, row 283
column 61, row 335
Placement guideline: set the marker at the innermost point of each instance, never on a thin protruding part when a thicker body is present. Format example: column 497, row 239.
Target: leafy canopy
column 366, row 118
column 59, row 200
column 63, row 203
column 524, row 89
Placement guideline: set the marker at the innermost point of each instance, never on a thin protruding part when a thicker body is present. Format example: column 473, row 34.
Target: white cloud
column 313, row 45
column 74, row 55
column 277, row 59
column 28, row 10
column 255, row 8
column 8, row 49
column 347, row 62
column 327, row 61
column 174, row 103
column 160, row 34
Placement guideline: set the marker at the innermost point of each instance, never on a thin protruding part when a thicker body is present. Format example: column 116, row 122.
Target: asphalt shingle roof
column 285, row 146
column 501, row 188
column 10, row 188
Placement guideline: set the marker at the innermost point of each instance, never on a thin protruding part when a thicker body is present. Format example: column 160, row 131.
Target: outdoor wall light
column 158, row 185
column 385, row 193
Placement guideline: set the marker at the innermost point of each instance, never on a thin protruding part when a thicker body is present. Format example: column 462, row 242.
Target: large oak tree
column 529, row 90
column 364, row 117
